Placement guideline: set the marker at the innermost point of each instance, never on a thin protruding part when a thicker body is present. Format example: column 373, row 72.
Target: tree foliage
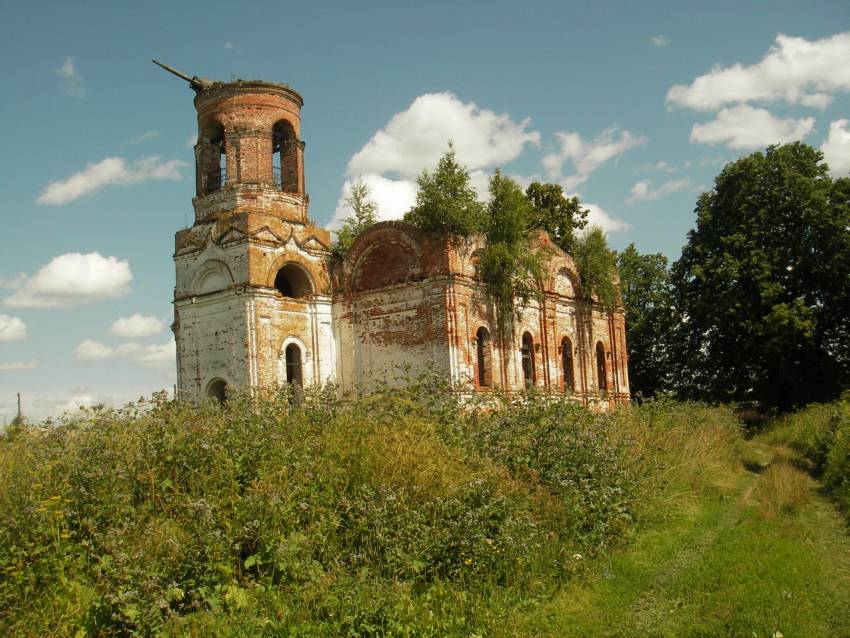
column 509, row 268
column 364, row 214
column 763, row 284
column 647, row 299
column 597, row 267
column 558, row 215
column 445, row 201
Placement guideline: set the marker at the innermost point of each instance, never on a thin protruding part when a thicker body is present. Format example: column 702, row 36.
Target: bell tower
column 252, row 305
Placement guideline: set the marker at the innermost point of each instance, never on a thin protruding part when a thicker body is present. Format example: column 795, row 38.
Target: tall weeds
column 403, row 512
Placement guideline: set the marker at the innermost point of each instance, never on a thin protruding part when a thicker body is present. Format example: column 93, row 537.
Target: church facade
column 258, row 301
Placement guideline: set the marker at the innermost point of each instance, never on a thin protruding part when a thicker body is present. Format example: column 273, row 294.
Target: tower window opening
column 292, row 281
column 484, row 373
column 528, row 359
column 212, row 158
column 601, row 373
column 567, row 364
column 217, row 389
column 285, row 157
column 293, row 365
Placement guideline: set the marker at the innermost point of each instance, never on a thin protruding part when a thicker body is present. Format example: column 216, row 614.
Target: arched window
column 600, row 367
column 484, row 374
column 212, row 160
column 293, row 365
column 567, row 364
column 528, row 359
column 287, row 147
column 217, row 389
column 293, row 281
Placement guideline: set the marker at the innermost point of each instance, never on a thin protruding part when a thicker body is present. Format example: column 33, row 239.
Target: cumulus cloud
column 598, row 216
column 416, row 138
column 587, row 156
column 794, row 70
column 12, row 328
column 746, row 127
column 137, row 326
column 72, row 79
column 659, row 167
column 643, row 191
column 149, row 356
column 18, row 366
column 836, row 148
column 659, row 41
column 74, row 403
column 113, row 171
column 72, row 279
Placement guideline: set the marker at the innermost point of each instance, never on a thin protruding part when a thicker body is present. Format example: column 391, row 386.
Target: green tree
column 508, row 266
column 763, row 283
column 648, row 302
column 558, row 215
column 597, row 267
column 445, row 202
column 364, row 214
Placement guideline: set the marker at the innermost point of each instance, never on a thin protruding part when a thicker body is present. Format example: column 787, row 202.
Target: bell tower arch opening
column 293, row 281
column 217, row 389
column 211, row 158
column 287, row 158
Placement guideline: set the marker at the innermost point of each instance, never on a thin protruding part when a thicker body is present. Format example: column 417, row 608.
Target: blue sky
column 635, row 107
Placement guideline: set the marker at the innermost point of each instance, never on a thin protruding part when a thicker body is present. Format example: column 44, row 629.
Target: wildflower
column 577, row 556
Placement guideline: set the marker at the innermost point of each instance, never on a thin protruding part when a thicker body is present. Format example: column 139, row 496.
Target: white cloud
column 90, row 350
column 73, row 279
column 587, row 156
column 74, row 403
column 643, row 191
column 746, row 127
column 191, row 141
column 137, row 326
column 17, row 366
column 12, row 328
column 144, row 137
column 416, row 138
column 659, row 41
column 72, row 79
column 598, row 216
column 660, row 167
column 151, row 356
column 393, row 197
column 108, row 172
column 794, row 70
column 836, row 148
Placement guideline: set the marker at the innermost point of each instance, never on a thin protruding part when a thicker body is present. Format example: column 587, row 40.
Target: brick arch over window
column 287, row 158
column 567, row 365
column 483, row 358
column 313, row 272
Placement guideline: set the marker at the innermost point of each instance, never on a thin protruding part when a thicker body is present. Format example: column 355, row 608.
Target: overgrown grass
column 401, row 513
column 822, row 434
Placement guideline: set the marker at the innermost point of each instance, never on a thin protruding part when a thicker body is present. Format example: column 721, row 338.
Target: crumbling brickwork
column 257, row 302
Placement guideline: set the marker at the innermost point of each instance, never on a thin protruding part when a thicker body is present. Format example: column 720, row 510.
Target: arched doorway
column 528, row 359
column 217, row 389
column 294, row 373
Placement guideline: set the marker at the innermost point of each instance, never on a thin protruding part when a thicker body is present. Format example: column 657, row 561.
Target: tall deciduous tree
column 597, row 267
column 647, row 299
column 763, row 284
column 445, row 201
column 555, row 213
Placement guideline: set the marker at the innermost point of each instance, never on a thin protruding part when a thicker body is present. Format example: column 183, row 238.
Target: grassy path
column 771, row 559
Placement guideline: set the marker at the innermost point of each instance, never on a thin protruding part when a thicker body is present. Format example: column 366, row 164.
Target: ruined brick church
column 258, row 302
